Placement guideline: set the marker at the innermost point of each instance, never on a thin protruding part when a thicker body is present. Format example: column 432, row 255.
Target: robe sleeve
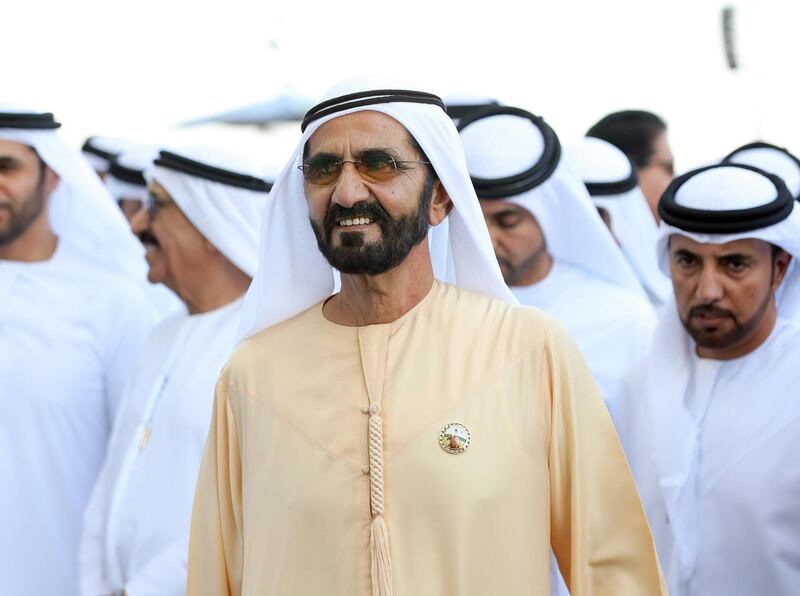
column 598, row 528
column 215, row 543
column 90, row 557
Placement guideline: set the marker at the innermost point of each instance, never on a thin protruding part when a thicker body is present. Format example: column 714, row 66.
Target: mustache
column 371, row 209
column 709, row 309
column 147, row 238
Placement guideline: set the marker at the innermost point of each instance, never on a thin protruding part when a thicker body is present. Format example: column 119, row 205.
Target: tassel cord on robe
column 379, row 533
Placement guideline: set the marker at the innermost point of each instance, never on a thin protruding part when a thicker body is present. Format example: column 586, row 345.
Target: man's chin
column 156, row 267
column 713, row 338
column 345, row 239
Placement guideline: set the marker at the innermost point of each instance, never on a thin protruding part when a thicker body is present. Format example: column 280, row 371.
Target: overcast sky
column 136, row 69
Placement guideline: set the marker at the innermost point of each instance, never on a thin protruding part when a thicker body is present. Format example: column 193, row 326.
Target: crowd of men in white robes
column 123, row 272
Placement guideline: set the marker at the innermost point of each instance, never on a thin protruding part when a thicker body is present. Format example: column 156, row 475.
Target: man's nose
column 709, row 286
column 350, row 188
column 495, row 237
column 140, row 222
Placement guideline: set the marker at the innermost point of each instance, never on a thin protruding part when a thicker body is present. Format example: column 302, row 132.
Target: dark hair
column 631, row 131
column 776, row 251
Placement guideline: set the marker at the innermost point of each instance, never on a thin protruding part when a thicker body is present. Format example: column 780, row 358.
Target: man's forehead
column 159, row 191
column 366, row 128
column 492, row 206
column 15, row 149
column 744, row 245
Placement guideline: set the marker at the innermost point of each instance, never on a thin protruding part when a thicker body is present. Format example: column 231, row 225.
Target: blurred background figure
column 125, row 178
column 770, row 158
column 612, row 182
column 642, row 136
column 73, row 318
column 201, row 233
column 100, row 151
column 553, row 249
column 127, row 184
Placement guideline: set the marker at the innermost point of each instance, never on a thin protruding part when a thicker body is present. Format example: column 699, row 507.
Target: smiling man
column 711, row 420
column 344, row 422
column 201, row 233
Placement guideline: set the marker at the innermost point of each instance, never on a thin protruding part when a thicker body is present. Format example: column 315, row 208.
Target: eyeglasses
column 154, row 203
column 374, row 166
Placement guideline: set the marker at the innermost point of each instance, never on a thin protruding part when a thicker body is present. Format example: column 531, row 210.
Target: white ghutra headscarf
column 221, row 195
column 770, row 158
column 82, row 213
column 504, row 146
column 714, row 198
column 602, row 167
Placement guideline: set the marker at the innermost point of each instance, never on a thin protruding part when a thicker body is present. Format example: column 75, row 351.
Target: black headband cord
column 724, row 222
column 509, row 186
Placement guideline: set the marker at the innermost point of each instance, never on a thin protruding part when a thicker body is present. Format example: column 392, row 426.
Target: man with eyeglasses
column 201, row 232
column 414, row 431
column 127, row 184
column 73, row 317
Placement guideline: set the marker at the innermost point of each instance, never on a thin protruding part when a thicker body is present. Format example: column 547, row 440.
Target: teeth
column 356, row 221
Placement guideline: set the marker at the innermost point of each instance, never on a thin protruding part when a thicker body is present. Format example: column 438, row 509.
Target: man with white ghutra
column 73, row 318
column 554, row 251
column 417, row 431
column 710, row 419
column 201, row 233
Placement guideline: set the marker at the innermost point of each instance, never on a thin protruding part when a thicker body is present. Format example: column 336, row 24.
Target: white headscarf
column 771, row 159
column 667, row 367
column 459, row 104
column 227, row 216
column 634, row 226
column 139, row 159
column 111, row 146
column 82, row 213
column 504, row 145
column 293, row 275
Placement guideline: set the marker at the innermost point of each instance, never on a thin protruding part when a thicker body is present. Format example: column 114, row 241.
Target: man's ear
column 782, row 261
column 441, row 205
column 210, row 248
column 51, row 181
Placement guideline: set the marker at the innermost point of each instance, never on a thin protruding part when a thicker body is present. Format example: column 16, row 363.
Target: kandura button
column 374, row 409
column 365, row 470
column 365, row 409
column 454, row 438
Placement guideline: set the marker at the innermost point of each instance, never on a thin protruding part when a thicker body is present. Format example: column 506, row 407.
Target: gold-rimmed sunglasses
column 373, row 166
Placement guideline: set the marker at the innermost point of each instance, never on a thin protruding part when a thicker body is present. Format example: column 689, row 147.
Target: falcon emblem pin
column 454, row 438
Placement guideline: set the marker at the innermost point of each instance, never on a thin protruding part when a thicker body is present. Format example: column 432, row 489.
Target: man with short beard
column 555, row 252
column 711, row 421
column 73, row 317
column 345, row 420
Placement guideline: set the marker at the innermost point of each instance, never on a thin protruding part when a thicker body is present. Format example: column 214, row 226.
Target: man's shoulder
column 785, row 338
column 99, row 284
column 278, row 339
column 495, row 319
